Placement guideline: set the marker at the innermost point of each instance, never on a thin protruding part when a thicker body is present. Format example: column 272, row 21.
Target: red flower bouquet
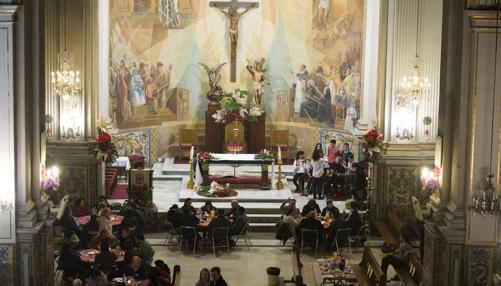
column 204, row 157
column 106, row 150
column 373, row 140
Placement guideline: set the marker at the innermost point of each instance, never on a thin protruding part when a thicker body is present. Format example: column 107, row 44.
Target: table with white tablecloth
column 122, row 162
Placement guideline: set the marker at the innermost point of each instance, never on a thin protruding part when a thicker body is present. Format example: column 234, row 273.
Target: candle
column 279, row 153
column 192, row 151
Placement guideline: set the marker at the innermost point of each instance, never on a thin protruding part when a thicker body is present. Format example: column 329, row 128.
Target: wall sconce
column 404, row 120
column 6, row 206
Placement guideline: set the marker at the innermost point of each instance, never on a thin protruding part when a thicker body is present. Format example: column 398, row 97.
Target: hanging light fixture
column 486, row 202
column 415, row 86
column 65, row 80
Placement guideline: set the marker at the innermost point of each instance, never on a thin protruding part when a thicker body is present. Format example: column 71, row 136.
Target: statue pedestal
column 213, row 131
column 256, row 133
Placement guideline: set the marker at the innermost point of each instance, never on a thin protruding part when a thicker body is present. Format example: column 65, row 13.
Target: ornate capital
column 8, row 12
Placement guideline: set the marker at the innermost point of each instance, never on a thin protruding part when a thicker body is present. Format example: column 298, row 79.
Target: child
column 299, row 173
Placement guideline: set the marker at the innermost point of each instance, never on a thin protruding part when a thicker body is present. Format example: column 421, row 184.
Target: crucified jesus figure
column 232, row 14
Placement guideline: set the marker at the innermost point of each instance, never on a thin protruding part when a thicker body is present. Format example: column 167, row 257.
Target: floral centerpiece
column 373, row 140
column 265, row 155
column 431, row 185
column 234, row 108
column 216, row 190
column 204, row 157
column 106, row 150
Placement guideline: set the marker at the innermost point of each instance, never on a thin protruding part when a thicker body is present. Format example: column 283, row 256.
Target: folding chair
column 342, row 236
column 171, row 232
column 188, row 233
column 309, row 233
column 220, row 234
column 244, row 236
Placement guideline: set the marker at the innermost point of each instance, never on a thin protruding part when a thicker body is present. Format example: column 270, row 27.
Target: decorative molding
column 8, row 13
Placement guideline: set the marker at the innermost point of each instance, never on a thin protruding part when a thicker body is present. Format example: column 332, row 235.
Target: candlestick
column 192, row 152
column 280, row 184
column 279, row 153
column 191, row 183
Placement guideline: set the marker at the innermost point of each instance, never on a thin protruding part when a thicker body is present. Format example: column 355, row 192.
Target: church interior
column 250, row 142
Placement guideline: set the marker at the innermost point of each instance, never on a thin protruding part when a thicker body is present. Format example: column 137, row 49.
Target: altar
column 235, row 160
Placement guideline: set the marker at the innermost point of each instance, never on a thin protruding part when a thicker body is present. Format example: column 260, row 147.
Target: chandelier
column 65, row 80
column 486, row 202
column 415, row 86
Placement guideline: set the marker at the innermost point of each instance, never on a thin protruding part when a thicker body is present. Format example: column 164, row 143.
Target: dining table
column 335, row 271
column 114, row 218
column 89, row 255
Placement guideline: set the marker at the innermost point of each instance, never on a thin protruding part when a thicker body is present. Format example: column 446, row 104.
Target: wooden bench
column 413, row 274
column 369, row 271
column 391, row 231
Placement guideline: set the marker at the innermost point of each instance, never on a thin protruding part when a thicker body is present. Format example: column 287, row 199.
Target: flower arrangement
column 265, row 155
column 373, row 140
column 106, row 150
column 204, row 157
column 216, row 190
column 233, row 108
column 51, row 184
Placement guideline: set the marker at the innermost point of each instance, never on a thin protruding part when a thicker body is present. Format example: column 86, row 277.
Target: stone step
column 264, row 218
column 262, row 227
column 250, row 208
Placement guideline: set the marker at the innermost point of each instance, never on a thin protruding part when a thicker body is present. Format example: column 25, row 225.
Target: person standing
column 317, row 164
column 299, row 173
column 332, row 152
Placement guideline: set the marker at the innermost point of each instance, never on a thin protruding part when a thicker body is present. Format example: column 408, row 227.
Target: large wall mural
column 313, row 52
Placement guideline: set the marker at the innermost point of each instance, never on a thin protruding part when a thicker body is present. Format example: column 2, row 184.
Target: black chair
column 309, row 235
column 343, row 237
column 244, row 236
column 171, row 232
column 189, row 234
column 220, row 235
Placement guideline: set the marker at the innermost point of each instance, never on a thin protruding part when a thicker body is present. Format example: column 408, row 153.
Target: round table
column 88, row 255
column 115, row 220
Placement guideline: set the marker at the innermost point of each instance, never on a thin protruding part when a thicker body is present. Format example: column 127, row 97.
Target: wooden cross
column 233, row 15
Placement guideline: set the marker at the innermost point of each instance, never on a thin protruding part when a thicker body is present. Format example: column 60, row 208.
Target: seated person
column 399, row 258
column 289, row 207
column 103, row 236
column 123, row 236
column 311, row 222
column 292, row 221
column 71, row 264
column 137, row 270
column 336, row 224
column 329, row 207
column 353, row 219
column 101, row 204
column 219, row 222
column 106, row 257
column 92, row 227
column 80, row 209
column 130, row 252
column 145, row 251
column 174, row 215
column 133, row 218
column 71, row 227
column 311, row 206
column 188, row 205
column 240, row 222
column 207, row 207
column 234, row 209
column 188, row 218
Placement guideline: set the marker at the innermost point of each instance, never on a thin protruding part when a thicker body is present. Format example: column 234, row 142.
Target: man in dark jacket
column 240, row 222
column 310, row 222
column 219, row 222
column 174, row 215
column 216, row 278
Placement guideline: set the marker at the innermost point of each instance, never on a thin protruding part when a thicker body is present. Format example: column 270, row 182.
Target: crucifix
column 230, row 10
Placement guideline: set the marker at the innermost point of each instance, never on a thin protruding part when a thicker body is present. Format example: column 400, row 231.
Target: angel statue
column 215, row 92
column 257, row 71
